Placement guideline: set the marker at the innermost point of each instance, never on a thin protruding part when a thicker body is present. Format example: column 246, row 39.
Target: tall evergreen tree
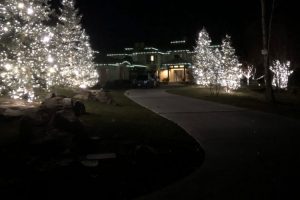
column 232, row 73
column 75, row 53
column 35, row 56
column 23, row 64
column 203, row 59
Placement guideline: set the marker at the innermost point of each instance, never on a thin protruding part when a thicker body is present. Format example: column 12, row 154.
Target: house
column 172, row 65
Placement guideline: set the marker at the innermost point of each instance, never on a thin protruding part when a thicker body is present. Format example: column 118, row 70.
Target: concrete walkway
column 248, row 154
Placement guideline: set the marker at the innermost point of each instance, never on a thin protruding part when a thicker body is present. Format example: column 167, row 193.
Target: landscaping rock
column 33, row 126
column 101, row 96
column 90, row 163
column 78, row 108
column 81, row 97
column 8, row 113
column 53, row 104
column 67, row 120
column 94, row 95
column 53, row 126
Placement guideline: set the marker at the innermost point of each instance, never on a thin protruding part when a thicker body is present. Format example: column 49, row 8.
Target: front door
column 178, row 75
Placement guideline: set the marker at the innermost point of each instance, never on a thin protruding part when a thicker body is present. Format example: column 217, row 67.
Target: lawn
column 124, row 119
column 152, row 152
column 287, row 104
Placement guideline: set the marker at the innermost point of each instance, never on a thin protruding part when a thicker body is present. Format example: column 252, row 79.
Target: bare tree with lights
column 249, row 73
column 281, row 72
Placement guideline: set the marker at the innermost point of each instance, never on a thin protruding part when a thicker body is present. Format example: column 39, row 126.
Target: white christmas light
column 29, row 11
column 8, row 66
column 52, row 70
column 50, row 59
column 249, row 73
column 213, row 67
column 46, row 39
column 281, row 72
column 21, row 5
column 232, row 72
column 203, row 59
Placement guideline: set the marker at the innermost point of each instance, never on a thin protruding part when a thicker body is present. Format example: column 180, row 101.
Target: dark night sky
column 114, row 24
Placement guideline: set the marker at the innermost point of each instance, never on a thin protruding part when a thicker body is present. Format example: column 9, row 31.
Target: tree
column 281, row 72
column 203, row 59
column 35, row 55
column 215, row 72
column 74, row 53
column 23, row 55
column 215, row 68
column 249, row 73
column 230, row 65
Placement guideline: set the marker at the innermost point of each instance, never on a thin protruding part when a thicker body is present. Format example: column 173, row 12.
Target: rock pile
column 54, row 126
column 94, row 95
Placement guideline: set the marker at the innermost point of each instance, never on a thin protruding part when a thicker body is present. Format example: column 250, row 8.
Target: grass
column 122, row 128
column 287, row 104
column 125, row 119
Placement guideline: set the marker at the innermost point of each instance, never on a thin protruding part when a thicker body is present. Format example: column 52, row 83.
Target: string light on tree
column 249, row 73
column 35, row 56
column 281, row 72
column 232, row 72
column 203, row 59
column 21, row 26
column 214, row 67
column 77, row 60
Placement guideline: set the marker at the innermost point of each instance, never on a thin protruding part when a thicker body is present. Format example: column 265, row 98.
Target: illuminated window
column 152, row 58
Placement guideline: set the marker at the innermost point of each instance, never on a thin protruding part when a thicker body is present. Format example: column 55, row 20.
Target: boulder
column 53, row 125
column 101, row 96
column 53, row 104
column 82, row 97
column 61, row 103
column 78, row 108
column 9, row 113
column 67, row 120
column 94, row 95
column 34, row 125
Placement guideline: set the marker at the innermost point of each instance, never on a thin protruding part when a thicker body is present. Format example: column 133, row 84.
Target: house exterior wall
column 159, row 63
column 110, row 73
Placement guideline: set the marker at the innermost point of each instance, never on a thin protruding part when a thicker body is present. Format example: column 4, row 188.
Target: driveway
column 248, row 154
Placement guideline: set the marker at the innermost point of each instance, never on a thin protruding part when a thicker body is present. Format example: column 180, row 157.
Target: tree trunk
column 268, row 82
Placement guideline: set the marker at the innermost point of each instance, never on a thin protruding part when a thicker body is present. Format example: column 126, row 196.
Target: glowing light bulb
column 29, row 11
column 46, row 39
column 83, row 86
column 8, row 66
column 50, row 59
column 76, row 72
column 51, row 70
column 21, row 5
